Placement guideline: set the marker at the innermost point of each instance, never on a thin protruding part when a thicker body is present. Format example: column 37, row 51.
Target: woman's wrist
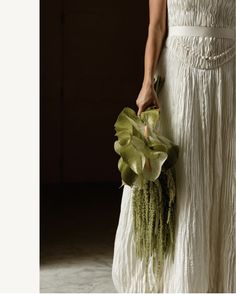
column 148, row 83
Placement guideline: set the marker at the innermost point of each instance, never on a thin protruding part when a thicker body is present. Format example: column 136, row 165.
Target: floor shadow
column 77, row 231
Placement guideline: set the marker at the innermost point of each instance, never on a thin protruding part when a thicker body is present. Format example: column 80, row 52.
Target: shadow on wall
column 91, row 67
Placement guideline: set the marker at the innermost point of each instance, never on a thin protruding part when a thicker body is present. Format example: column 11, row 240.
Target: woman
column 195, row 52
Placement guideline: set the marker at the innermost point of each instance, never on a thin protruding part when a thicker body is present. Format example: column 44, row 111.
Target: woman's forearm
column 156, row 36
column 152, row 53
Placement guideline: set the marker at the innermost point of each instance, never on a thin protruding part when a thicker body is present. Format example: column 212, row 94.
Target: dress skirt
column 197, row 112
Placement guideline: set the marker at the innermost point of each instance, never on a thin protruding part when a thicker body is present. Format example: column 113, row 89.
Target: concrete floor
column 77, row 238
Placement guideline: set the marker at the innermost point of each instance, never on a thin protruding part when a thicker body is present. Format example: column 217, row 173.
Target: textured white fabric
column 201, row 31
column 198, row 112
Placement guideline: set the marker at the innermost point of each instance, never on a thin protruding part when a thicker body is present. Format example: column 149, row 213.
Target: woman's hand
column 147, row 97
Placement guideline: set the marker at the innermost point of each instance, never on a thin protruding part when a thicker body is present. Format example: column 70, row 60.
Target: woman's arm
column 156, row 35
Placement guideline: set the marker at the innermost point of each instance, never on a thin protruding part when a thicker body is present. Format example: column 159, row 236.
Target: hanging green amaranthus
column 147, row 164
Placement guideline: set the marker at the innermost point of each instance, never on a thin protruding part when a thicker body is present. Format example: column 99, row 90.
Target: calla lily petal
column 128, row 176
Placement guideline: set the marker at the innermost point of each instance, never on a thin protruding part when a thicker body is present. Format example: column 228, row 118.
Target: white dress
column 198, row 111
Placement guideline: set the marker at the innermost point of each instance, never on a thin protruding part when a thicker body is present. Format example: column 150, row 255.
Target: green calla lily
column 145, row 155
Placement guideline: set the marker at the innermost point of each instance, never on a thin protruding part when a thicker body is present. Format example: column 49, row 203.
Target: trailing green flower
column 153, row 213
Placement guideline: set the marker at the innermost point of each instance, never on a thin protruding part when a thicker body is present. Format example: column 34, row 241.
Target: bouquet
column 147, row 164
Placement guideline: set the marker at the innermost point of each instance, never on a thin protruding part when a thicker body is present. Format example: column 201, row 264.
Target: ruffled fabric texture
column 199, row 52
column 207, row 13
column 198, row 111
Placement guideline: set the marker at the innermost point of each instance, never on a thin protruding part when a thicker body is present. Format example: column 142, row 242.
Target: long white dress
column 198, row 111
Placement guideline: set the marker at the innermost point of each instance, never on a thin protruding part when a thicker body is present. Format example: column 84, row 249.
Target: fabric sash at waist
column 201, row 31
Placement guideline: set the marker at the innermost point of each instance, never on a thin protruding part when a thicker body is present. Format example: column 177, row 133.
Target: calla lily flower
column 142, row 150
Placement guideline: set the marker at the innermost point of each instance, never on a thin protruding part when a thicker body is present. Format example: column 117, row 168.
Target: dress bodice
column 201, row 52
column 209, row 13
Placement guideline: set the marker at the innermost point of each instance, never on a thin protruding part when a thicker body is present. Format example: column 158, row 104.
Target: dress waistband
column 201, row 31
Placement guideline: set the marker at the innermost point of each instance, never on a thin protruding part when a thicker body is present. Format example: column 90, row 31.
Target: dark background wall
column 91, row 67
